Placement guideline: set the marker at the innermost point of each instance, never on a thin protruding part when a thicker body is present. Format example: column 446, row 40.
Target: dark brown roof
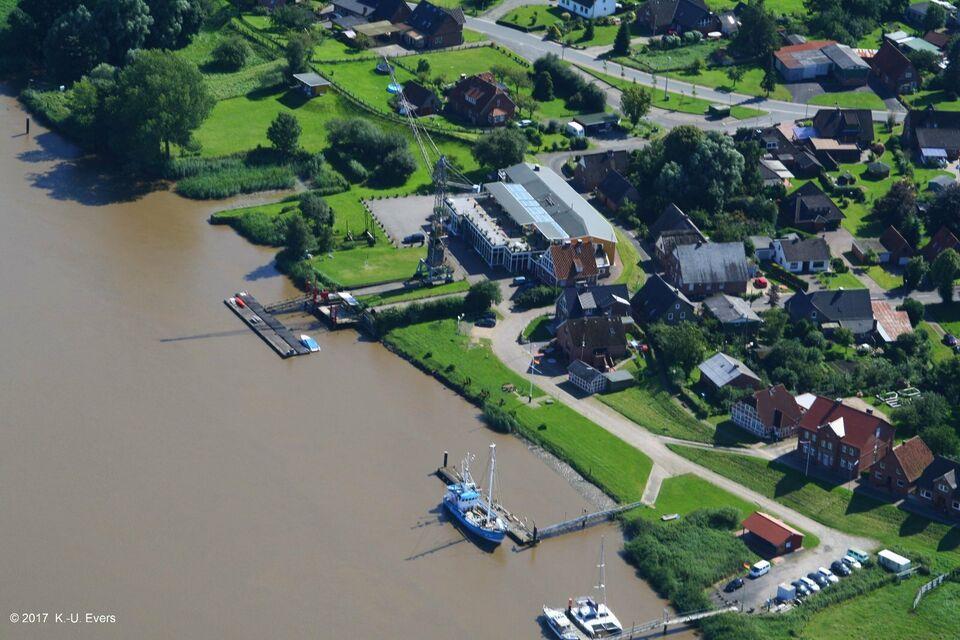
column 942, row 240
column 417, row 94
column 595, row 332
column 891, row 62
column 769, row 528
column 475, row 92
column 859, row 426
column 914, row 457
column 578, row 259
column 775, row 406
column 894, row 242
column 809, row 203
column 937, row 38
column 837, row 123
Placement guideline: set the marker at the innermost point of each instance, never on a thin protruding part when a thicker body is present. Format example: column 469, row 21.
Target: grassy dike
column 472, row 370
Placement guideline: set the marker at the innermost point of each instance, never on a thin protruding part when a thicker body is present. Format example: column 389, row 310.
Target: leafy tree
column 590, row 98
column 292, row 17
column 635, row 102
column 944, row 270
column 735, row 74
column 297, row 238
column 423, row 66
column 395, row 167
column 174, row 22
column 554, row 33
column 124, row 24
column 500, row 148
column 929, row 410
column 160, row 99
column 73, row 46
column 843, row 337
column 757, row 36
column 526, row 104
column 950, row 78
column 481, row 296
column 935, row 18
column 621, row 43
column 231, row 54
column 914, row 309
column 681, row 345
column 89, row 121
column 914, row 272
column 543, row 87
column 944, row 210
column 298, row 53
column 315, row 209
column 589, row 33
column 898, row 204
column 30, row 23
column 769, row 81
column 566, row 81
column 942, row 440
column 284, row 133
column 926, row 62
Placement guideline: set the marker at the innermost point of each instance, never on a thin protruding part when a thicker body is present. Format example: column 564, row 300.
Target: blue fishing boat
column 471, row 509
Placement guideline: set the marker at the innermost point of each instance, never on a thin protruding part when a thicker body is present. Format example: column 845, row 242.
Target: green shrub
column 260, row 227
column 538, row 296
column 499, row 419
column 231, row 54
column 793, row 280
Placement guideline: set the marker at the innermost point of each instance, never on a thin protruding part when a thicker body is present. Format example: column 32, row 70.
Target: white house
column 811, row 255
column 589, row 8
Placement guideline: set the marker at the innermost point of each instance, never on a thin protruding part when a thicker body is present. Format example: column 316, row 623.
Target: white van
column 759, row 569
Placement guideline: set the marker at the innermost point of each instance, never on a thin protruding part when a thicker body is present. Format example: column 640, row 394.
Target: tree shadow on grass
column 860, row 503
column 730, row 435
column 950, row 541
column 292, row 99
column 913, row 524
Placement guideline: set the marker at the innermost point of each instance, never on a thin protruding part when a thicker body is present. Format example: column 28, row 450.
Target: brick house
column 772, row 413
column 582, row 302
column 840, row 439
column 659, row 301
column 574, row 262
column 938, row 487
column 433, row 27
column 663, row 16
column 703, row 269
column 591, row 168
column 904, row 464
column 894, row 70
column 598, row 341
column 481, row 100
column 810, row 209
column 942, row 240
column 898, row 247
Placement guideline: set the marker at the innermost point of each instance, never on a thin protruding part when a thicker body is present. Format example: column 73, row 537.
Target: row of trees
column 365, row 150
column 71, row 37
column 554, row 79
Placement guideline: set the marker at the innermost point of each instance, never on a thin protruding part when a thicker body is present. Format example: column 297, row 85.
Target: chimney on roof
column 838, row 401
column 870, row 410
column 536, row 167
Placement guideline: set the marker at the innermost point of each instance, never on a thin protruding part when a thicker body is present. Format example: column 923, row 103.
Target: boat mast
column 602, row 585
column 493, row 463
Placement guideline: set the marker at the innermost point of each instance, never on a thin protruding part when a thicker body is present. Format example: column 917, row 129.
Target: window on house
column 956, row 505
column 669, row 316
column 900, row 483
column 899, row 472
column 925, row 493
column 942, row 487
column 683, row 314
column 877, row 474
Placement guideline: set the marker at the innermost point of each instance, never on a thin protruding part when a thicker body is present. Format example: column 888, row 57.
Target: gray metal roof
column 525, row 210
column 311, row 79
column 731, row 310
column 565, row 207
column 711, row 263
column 844, row 57
column 722, row 369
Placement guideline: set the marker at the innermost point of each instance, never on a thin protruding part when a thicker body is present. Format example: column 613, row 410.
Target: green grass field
column 717, row 79
column 837, row 280
column 610, row 463
column 874, row 39
column 540, row 17
column 539, row 329
column 939, row 351
column 850, row 99
column 660, row 60
column 633, row 274
column 420, row 293
column 884, row 278
column 923, row 99
column 836, row 507
column 947, row 315
column 365, row 266
column 777, row 6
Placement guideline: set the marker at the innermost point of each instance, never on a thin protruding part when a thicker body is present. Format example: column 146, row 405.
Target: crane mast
column 434, row 267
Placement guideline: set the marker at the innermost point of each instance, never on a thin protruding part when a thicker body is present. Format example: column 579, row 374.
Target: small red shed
column 773, row 535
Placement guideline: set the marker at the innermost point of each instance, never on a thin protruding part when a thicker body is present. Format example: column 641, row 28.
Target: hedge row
column 791, row 279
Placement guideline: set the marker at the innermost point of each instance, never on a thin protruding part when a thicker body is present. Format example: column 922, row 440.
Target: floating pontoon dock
column 265, row 325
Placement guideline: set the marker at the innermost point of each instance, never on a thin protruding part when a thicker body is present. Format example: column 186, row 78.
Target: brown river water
column 160, row 464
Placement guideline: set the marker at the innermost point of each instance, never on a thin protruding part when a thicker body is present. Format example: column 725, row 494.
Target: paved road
column 532, row 46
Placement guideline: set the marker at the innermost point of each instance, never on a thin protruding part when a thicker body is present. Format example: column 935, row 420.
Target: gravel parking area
column 400, row 217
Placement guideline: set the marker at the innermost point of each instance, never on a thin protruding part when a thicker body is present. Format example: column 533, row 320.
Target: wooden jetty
column 683, row 619
column 265, row 325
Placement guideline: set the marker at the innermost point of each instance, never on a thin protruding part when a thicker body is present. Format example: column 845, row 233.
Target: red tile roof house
column 771, row 414
column 942, row 240
column 899, row 470
column 839, row 439
column 576, row 261
column 894, row 242
column 482, row 101
column 894, row 70
column 774, row 536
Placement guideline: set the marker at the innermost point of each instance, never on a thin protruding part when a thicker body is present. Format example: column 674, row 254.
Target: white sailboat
column 592, row 615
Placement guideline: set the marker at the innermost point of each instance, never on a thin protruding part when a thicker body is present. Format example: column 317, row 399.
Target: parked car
column 760, row 568
column 733, row 585
column 839, row 568
column 760, row 283
column 950, row 340
column 851, row 562
column 810, row 584
column 414, row 238
column 826, row 573
column 858, row 555
column 819, row 578
column 801, row 587
column 519, row 281
column 486, row 323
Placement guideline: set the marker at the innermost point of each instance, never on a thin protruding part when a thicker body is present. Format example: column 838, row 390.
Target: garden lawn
column 470, row 7
column 660, row 60
column 532, row 17
column 947, row 315
column 675, row 101
column 417, row 293
column 651, row 406
column 632, row 274
column 938, row 350
column 836, row 506
column 874, row 39
column 777, row 6
column 617, row 468
column 360, row 79
column 539, row 329
column 884, row 278
column 923, row 99
column 363, row 266
column 716, row 78
column 833, row 280
column 850, row 99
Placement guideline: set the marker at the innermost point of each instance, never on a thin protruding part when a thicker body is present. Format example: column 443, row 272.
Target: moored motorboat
column 309, row 342
column 559, row 624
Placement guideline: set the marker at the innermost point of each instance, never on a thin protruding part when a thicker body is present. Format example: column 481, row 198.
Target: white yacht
column 559, row 624
column 593, row 615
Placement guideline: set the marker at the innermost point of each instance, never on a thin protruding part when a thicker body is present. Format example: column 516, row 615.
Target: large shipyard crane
column 434, row 267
